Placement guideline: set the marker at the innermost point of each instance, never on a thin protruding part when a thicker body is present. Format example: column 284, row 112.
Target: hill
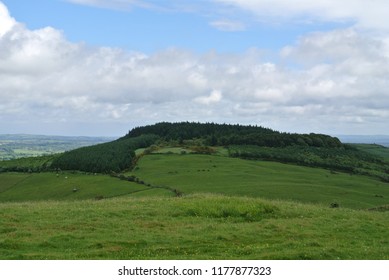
column 119, row 154
column 314, row 152
column 249, row 142
column 198, row 191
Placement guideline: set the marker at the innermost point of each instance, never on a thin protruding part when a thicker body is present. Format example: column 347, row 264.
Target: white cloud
column 340, row 82
column 228, row 25
column 214, row 97
column 335, row 46
column 6, row 21
column 371, row 15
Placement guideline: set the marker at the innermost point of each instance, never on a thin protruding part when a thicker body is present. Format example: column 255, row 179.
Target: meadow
column 64, row 186
column 193, row 173
column 200, row 226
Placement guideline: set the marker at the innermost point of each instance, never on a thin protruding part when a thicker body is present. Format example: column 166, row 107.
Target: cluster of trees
column 109, row 157
column 225, row 134
column 192, row 130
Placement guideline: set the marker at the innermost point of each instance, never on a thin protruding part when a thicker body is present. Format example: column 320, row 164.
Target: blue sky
column 97, row 67
column 151, row 30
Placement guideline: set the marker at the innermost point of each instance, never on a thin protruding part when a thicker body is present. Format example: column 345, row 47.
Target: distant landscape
column 14, row 146
column 365, row 139
column 195, row 191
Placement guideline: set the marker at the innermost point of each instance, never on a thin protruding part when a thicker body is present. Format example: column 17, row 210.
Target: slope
column 193, row 173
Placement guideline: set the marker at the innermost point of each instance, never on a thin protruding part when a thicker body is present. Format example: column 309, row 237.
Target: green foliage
column 225, row 134
column 104, row 158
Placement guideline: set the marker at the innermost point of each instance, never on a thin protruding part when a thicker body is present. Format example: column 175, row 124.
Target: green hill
column 199, row 191
column 180, row 158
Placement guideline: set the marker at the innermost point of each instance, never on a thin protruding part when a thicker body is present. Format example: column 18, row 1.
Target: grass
column 230, row 176
column 201, row 226
column 50, row 186
column 231, row 209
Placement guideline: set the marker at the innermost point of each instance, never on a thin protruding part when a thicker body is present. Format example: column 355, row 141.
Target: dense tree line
column 227, row 134
column 109, row 157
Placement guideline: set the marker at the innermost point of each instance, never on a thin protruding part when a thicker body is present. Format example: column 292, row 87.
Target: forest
column 103, row 158
column 226, row 134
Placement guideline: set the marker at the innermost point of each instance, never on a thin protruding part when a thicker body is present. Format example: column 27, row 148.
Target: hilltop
column 117, row 155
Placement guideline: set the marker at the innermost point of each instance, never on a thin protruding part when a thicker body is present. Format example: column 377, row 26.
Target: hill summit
column 119, row 154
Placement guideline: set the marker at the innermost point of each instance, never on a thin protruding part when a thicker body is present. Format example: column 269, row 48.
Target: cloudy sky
column 98, row 67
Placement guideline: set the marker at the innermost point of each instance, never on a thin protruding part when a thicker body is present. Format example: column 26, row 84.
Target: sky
column 100, row 68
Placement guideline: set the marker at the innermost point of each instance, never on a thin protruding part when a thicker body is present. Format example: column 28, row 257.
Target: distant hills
column 13, row 146
column 365, row 139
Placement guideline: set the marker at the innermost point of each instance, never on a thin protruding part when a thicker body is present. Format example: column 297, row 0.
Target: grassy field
column 230, row 176
column 50, row 186
column 192, row 227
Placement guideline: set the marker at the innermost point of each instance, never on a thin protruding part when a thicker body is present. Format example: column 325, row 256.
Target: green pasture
column 193, row 173
column 190, row 227
column 66, row 186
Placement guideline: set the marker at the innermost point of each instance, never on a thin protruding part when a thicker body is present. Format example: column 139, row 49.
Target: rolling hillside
column 199, row 191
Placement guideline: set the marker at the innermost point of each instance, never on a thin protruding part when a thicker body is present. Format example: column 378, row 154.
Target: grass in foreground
column 192, row 227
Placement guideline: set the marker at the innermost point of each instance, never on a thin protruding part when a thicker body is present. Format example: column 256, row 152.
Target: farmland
column 13, row 146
